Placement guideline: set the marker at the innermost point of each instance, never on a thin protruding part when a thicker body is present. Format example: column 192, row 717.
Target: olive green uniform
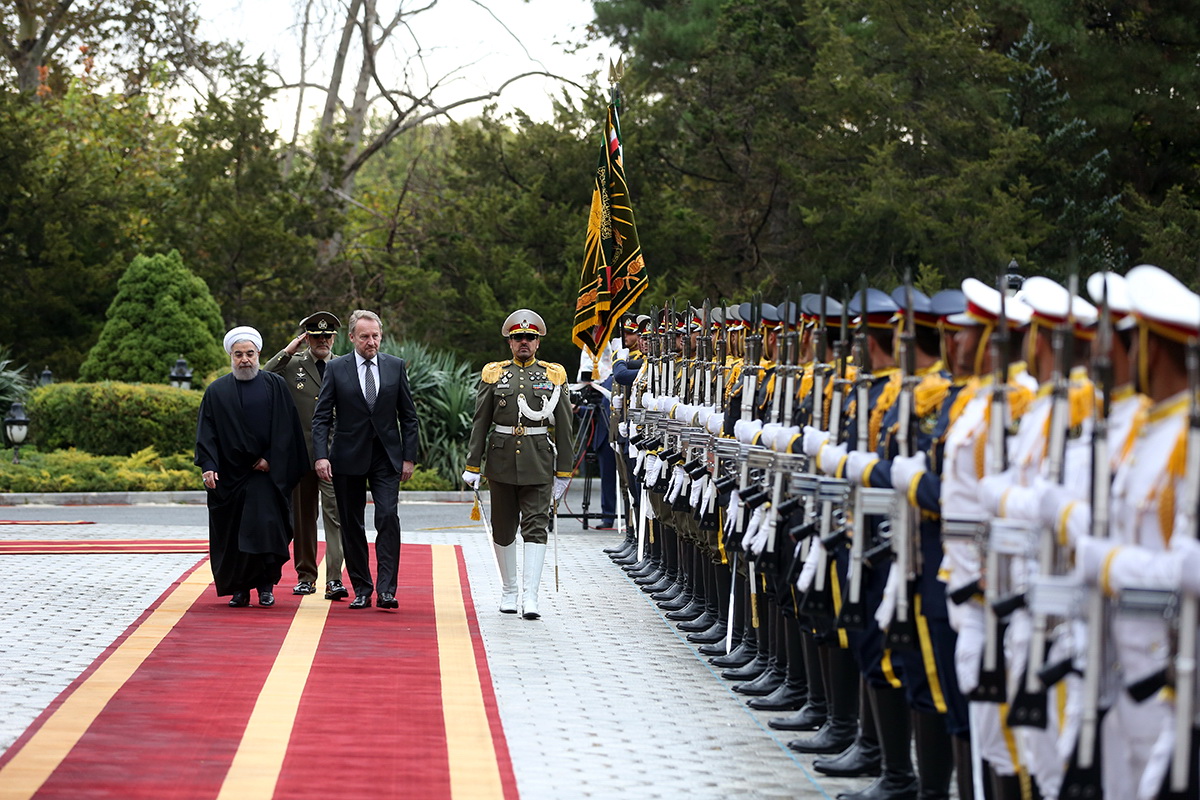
column 521, row 466
column 304, row 382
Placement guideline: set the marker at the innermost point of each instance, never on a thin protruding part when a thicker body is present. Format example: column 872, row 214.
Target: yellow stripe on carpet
column 21, row 777
column 474, row 772
column 259, row 759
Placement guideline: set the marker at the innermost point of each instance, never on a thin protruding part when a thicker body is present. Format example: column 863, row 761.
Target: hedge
column 145, row 471
column 113, row 419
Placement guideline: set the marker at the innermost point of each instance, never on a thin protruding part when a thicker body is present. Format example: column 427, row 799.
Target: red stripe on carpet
column 103, row 546
column 173, row 728
column 370, row 722
column 504, row 760
column 45, row 522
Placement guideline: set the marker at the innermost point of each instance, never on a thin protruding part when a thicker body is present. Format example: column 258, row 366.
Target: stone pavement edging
column 173, row 498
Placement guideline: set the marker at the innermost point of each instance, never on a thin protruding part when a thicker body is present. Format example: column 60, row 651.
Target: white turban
column 243, row 333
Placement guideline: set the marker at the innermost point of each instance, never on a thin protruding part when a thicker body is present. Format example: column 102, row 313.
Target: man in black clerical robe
column 250, row 448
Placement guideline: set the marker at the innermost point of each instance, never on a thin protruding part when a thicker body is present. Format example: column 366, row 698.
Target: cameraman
column 591, row 403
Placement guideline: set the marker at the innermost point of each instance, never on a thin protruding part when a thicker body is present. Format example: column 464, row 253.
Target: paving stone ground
column 601, row 698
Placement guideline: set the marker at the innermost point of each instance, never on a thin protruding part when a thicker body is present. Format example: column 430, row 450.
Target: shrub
column 161, row 311
column 113, row 419
column 13, row 383
column 75, row 471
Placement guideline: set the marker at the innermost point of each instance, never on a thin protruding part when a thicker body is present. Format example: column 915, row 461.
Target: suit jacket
column 304, row 382
column 341, row 404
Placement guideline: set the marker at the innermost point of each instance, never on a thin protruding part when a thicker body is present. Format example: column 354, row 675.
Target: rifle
column 1083, row 773
column 902, row 632
column 991, row 672
column 791, row 358
column 669, row 352
column 853, row 615
column 1185, row 651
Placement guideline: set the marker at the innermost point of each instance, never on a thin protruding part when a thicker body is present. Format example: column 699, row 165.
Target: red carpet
column 103, row 546
column 45, row 522
column 303, row 700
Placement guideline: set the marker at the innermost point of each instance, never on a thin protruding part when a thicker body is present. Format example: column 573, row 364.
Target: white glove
column 766, row 529
column 471, row 479
column 809, row 571
column 1090, row 554
column 887, row 606
column 992, row 489
column 623, row 429
column 650, row 471
column 756, row 519
column 783, row 437
column 698, row 487
column 618, row 401
column 732, row 512
column 767, row 439
column 679, row 482
column 744, row 430
column 1052, row 502
column 560, row 487
column 710, row 494
column 905, row 468
column 702, row 415
column 1187, row 551
column 716, row 423
column 830, row 457
column 857, row 462
column 813, row 439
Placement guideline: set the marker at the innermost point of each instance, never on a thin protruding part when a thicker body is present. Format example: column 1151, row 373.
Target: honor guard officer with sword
column 523, row 424
column 304, row 372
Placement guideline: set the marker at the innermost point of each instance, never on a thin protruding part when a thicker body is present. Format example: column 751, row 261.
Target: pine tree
column 161, row 311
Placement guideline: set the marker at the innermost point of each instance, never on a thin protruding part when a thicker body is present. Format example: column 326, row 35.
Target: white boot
column 535, row 555
column 506, row 558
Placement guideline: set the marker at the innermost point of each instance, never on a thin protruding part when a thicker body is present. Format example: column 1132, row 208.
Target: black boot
column 896, row 781
column 770, row 676
column 1004, row 787
column 793, row 693
column 719, row 597
column 963, row 766
column 841, row 727
column 861, row 759
column 812, row 715
column 934, row 770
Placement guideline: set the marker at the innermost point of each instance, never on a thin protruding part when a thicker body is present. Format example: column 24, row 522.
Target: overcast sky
column 456, row 33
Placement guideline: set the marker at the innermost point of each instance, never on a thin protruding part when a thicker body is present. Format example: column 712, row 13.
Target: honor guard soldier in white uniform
column 521, row 441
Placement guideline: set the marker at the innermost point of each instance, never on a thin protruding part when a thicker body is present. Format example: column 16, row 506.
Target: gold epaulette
column 493, row 371
column 930, row 393
column 555, row 372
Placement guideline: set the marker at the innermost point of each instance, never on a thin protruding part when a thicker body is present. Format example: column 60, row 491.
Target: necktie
column 321, row 368
column 370, row 386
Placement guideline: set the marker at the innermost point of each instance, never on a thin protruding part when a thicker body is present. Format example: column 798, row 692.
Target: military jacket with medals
column 304, row 382
column 521, row 432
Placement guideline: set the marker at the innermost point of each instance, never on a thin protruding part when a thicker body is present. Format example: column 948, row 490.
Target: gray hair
column 360, row 313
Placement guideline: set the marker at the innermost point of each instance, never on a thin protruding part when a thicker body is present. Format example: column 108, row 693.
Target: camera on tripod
column 586, row 394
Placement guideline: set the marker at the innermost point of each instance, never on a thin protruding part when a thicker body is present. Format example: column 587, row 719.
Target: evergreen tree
column 161, row 311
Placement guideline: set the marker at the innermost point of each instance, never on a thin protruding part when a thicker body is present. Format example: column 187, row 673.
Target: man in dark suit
column 304, row 371
column 375, row 444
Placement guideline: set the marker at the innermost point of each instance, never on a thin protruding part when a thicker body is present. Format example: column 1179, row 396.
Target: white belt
column 520, row 430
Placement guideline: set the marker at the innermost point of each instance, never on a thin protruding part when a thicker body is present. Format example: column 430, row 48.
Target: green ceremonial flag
column 613, row 274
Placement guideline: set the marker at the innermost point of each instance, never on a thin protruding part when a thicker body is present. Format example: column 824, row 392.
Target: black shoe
column 388, row 600
column 668, row 594
column 757, row 666
column 860, row 760
column 715, row 633
column 606, row 525
column 266, row 598
column 763, row 685
column 833, row 737
column 809, row 718
column 701, row 623
column 886, row 787
column 239, row 600
column 738, row 657
column 304, row 587
column 717, row 648
column 784, row 698
column 361, row 601
column 335, row 591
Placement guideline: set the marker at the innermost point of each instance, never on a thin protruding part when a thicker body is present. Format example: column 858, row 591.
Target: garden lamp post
column 181, row 375
column 16, row 426
column 46, row 378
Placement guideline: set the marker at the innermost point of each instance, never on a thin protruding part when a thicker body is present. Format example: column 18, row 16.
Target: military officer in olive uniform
column 305, row 371
column 523, row 423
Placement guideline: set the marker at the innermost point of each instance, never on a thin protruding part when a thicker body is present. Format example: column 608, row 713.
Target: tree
column 83, row 176
column 244, row 226
column 161, row 311
column 41, row 39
